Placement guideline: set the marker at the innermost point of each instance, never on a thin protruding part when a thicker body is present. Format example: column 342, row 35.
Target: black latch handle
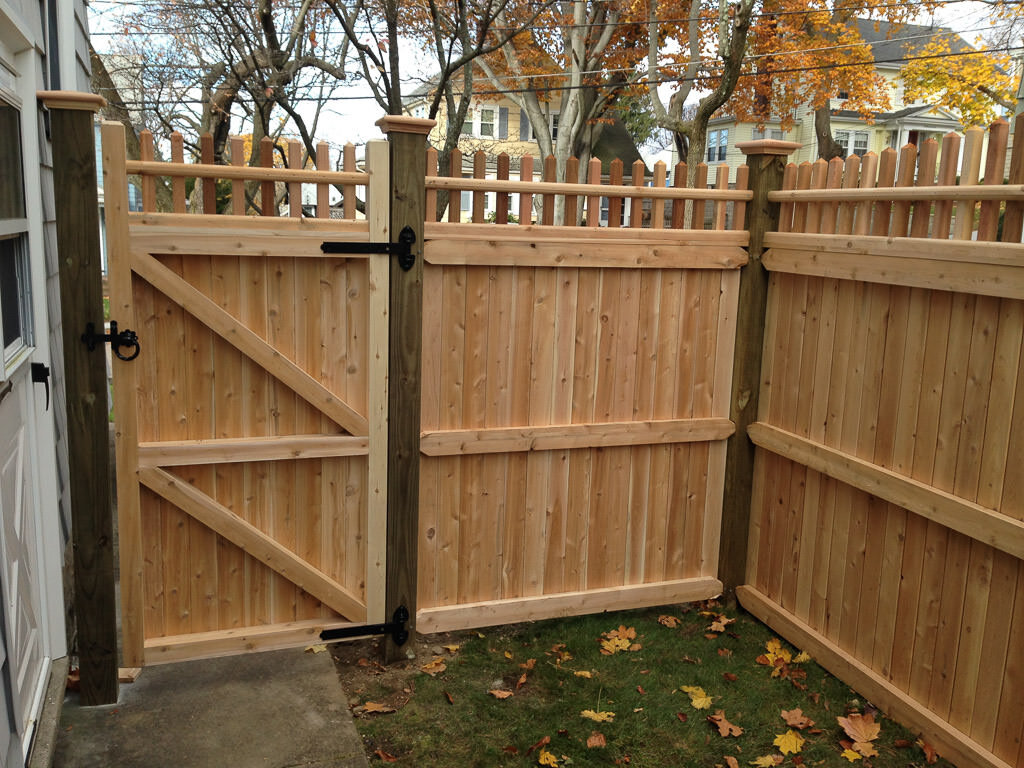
column 402, row 249
column 396, row 628
column 125, row 338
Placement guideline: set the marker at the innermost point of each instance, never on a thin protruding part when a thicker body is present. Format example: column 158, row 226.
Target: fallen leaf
column 640, row 690
column 930, row 755
column 546, row 758
column 798, row 760
column 776, row 652
column 730, row 677
column 510, row 750
column 451, row 648
column 801, row 657
column 688, row 660
column 711, row 636
column 521, row 682
column 669, row 621
column 583, row 673
column 725, row 728
column 596, row 740
column 614, row 645
column 598, row 717
column 435, row 667
column 635, row 647
column 542, row 743
column 530, row 664
column 726, row 652
column 500, row 694
column 385, row 757
column 732, row 762
column 901, row 743
column 797, row 719
column 364, row 662
column 449, row 697
column 852, row 756
column 862, row 729
column 373, row 706
column 698, row 698
column 789, row 743
column 768, row 761
column 508, row 655
column 317, row 648
column 683, row 717
column 720, row 623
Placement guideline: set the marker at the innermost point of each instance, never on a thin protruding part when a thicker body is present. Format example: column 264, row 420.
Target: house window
column 467, row 126
column 859, row 146
column 718, row 143
column 531, row 134
column 487, row 122
column 769, row 133
column 844, row 95
column 15, row 298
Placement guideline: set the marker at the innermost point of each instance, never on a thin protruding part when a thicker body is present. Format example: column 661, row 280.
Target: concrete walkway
column 280, row 709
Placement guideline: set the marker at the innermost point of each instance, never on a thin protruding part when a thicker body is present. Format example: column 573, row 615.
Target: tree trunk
column 827, row 146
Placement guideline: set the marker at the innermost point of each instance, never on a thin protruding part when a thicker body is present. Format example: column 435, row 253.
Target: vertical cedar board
column 766, row 173
column 408, row 201
column 81, row 302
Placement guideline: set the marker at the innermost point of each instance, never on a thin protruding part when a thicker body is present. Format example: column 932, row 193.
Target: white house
column 43, row 46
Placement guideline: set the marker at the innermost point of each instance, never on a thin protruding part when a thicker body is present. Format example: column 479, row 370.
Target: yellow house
column 902, row 123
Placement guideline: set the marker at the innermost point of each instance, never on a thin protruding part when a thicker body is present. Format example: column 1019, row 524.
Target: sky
column 351, row 117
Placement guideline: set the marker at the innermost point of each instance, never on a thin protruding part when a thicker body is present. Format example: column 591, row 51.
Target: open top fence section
column 886, row 531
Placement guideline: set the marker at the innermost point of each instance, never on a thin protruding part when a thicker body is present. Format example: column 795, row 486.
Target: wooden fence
column 575, row 396
column 574, row 400
column 886, row 528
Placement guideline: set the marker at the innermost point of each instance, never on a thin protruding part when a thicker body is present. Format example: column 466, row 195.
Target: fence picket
column 525, row 198
column 926, row 161
column 615, row 202
column 995, row 162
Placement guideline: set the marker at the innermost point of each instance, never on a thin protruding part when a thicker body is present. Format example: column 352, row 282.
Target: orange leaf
column 373, row 706
column 500, row 694
column 385, row 757
column 725, row 728
column 435, row 667
column 596, row 740
column 797, row 719
column 732, row 762
column 669, row 621
column 542, row 743
column 521, row 682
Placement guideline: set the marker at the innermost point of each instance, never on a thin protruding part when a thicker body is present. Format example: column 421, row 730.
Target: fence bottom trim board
column 535, row 608
column 951, row 743
column 230, row 642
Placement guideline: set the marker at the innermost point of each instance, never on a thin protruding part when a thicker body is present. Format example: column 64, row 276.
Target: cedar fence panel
column 575, row 401
column 248, row 426
column 887, row 531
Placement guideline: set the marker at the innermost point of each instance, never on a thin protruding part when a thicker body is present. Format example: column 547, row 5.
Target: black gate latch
column 396, row 628
column 402, row 249
column 125, row 338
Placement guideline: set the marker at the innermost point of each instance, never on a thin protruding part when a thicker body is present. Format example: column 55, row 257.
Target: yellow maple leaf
column 698, row 698
column 598, row 717
column 583, row 673
column 614, row 645
column 789, row 743
column 776, row 651
column 546, row 758
column 801, row 657
column 852, row 756
column 767, row 761
column 435, row 667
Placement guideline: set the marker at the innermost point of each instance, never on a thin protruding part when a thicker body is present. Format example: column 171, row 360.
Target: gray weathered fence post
column 767, row 162
column 407, row 139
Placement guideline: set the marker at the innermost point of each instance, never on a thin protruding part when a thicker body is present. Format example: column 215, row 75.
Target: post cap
column 404, row 124
column 71, row 100
column 768, row 147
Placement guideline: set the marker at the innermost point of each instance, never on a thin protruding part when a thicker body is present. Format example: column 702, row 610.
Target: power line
column 657, row 81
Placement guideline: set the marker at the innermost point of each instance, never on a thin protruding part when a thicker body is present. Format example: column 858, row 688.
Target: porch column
column 85, row 384
column 407, row 141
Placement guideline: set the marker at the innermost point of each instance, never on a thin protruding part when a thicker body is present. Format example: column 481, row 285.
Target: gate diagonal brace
column 396, row 628
column 402, row 249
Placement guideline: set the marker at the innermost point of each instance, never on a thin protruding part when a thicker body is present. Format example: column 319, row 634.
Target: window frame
column 14, row 230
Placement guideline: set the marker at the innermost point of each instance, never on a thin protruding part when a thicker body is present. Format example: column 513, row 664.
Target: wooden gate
column 251, row 428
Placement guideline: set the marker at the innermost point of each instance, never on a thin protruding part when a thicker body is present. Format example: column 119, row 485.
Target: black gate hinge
column 402, row 249
column 396, row 628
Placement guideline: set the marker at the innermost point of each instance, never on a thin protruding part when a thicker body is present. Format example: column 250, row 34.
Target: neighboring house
column 500, row 126
column 903, row 123
column 43, row 46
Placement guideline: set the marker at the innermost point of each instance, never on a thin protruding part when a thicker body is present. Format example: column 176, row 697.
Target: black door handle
column 41, row 375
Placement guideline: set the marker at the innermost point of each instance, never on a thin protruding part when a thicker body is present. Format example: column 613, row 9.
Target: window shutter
column 524, row 126
column 502, row 122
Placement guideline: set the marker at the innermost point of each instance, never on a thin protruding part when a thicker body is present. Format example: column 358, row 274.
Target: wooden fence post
column 85, row 382
column 407, row 139
column 767, row 162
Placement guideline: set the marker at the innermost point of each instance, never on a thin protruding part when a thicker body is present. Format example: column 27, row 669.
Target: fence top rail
column 245, row 173
column 586, row 190
column 945, row 192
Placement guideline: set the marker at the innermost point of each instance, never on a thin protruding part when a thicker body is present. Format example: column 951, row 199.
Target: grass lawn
column 517, row 696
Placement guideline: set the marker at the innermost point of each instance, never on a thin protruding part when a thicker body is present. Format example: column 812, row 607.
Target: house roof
column 891, row 43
